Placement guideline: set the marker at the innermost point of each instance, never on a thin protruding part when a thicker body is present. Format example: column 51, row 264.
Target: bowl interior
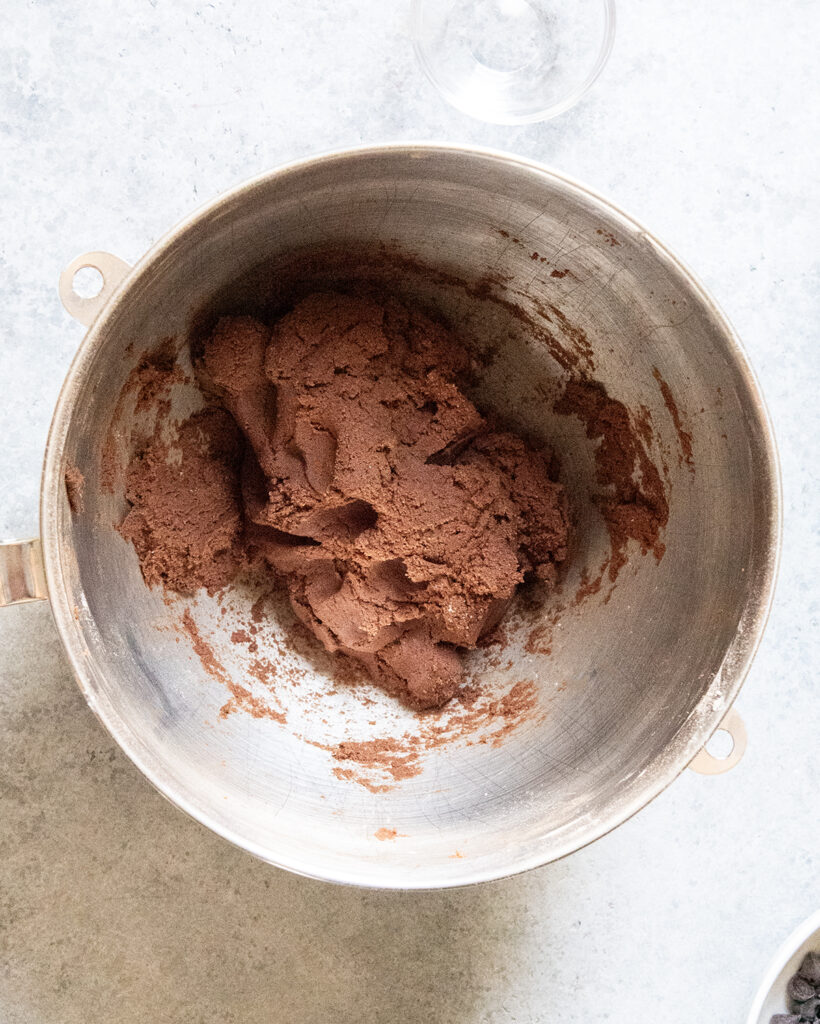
column 625, row 685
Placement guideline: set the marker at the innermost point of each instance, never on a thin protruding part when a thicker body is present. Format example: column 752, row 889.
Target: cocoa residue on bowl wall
column 632, row 499
column 572, row 351
column 607, row 236
column 477, row 719
column 378, row 764
column 375, row 764
column 74, row 489
column 684, row 437
column 241, row 697
column 632, row 496
column 155, row 373
column 146, row 390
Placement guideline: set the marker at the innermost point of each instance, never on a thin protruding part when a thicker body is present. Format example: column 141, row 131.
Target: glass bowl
column 513, row 61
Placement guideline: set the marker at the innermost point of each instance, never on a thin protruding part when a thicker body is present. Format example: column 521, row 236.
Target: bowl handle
column 111, row 269
column 21, row 572
column 707, row 764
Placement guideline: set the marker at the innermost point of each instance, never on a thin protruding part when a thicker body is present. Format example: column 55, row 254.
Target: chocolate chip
column 809, row 1009
column 810, row 968
column 799, row 990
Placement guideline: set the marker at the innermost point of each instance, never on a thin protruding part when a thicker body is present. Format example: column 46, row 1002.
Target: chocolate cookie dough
column 399, row 520
column 186, row 520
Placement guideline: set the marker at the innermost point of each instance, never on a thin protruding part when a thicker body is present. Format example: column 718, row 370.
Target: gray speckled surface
column 116, row 121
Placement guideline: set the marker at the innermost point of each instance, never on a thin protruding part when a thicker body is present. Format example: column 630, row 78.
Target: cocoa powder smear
column 75, row 489
column 633, row 499
column 341, row 451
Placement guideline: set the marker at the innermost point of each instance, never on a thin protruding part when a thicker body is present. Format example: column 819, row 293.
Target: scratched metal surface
column 114, row 904
column 632, row 681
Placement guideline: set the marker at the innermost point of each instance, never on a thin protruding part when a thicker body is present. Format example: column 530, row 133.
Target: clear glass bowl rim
column 543, row 113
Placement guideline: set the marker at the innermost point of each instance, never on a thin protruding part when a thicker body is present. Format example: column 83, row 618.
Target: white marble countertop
column 115, row 120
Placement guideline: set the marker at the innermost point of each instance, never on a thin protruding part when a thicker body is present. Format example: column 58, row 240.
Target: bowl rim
column 801, row 934
column 695, row 732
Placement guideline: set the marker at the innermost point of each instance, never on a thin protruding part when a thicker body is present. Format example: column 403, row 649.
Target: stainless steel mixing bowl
column 631, row 684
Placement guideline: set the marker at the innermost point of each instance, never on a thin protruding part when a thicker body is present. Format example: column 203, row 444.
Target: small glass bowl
column 513, row 61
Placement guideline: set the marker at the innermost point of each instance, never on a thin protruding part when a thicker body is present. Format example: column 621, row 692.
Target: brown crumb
column 386, row 833
column 389, row 756
column 607, row 236
column 241, row 636
column 349, row 775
